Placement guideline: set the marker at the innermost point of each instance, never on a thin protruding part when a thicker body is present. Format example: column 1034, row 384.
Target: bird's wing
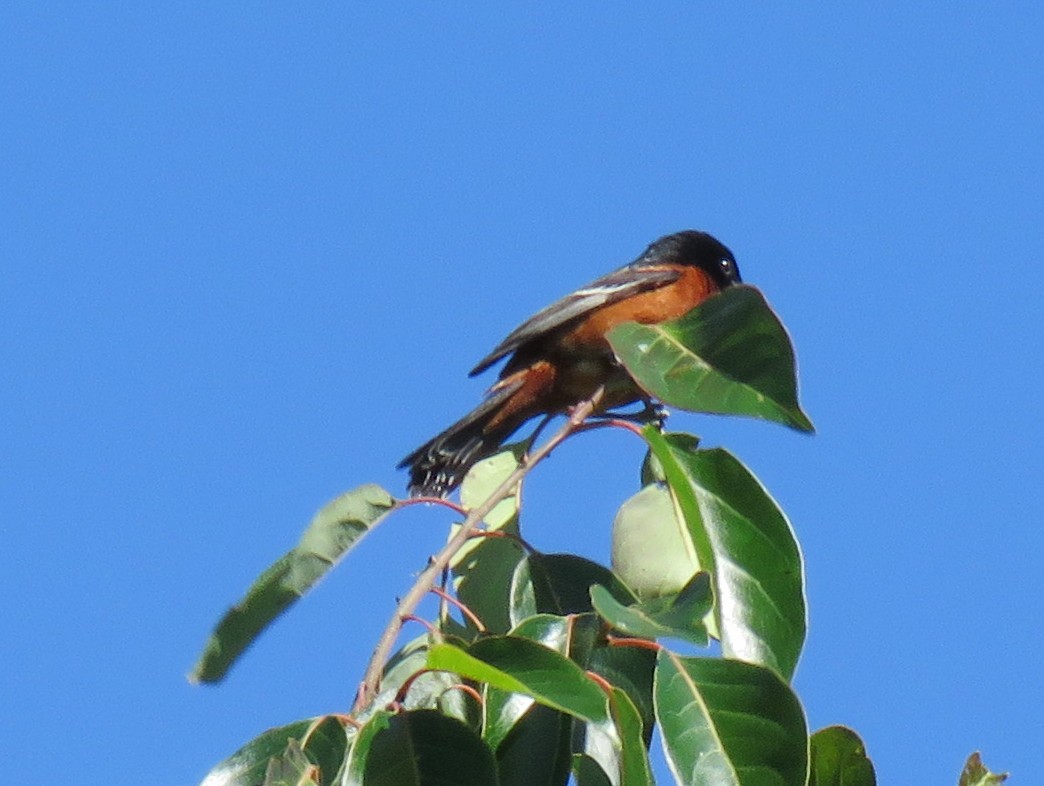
column 608, row 289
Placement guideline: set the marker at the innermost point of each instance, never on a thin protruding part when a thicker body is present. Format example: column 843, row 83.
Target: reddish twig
column 348, row 720
column 446, row 503
column 414, row 618
column 642, row 644
column 499, row 533
column 408, row 683
column 602, row 682
column 467, row 612
column 468, row 689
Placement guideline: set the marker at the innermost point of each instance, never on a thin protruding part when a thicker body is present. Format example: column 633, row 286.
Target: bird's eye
column 725, row 265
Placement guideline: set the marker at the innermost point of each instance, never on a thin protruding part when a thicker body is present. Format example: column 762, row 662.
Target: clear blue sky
column 247, row 256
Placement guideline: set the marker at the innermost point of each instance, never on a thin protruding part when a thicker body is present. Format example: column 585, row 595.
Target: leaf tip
column 803, row 424
column 199, row 675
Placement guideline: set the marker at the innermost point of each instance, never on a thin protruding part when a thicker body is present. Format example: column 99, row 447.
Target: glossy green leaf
column 618, row 746
column 533, row 743
column 730, row 355
column 518, row 665
column 560, row 584
column 729, row 723
column 292, row 768
column 483, row 581
column 975, row 773
column 317, row 742
column 334, row 530
column 679, row 616
column 652, row 470
column 838, row 758
column 537, row 749
column 588, row 772
column 355, row 762
column 425, row 747
column 572, row 636
column 408, row 668
column 652, row 550
column 485, row 477
column 630, row 669
column 484, row 568
column 634, row 758
column 746, row 543
column 325, row 744
column 246, row 767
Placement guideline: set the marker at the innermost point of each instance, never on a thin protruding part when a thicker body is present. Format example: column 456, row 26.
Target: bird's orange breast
column 657, row 305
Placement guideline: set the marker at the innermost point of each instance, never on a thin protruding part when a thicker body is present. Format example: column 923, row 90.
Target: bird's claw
column 651, row 412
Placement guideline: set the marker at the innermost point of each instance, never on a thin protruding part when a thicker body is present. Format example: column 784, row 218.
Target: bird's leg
column 651, row 412
column 532, row 438
column 654, row 412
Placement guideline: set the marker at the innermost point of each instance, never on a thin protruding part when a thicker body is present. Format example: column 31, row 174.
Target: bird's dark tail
column 439, row 465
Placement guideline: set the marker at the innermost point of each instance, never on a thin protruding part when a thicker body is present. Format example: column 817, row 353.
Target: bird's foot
column 651, row 412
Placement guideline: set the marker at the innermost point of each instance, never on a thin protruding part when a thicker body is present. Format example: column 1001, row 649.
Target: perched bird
column 560, row 356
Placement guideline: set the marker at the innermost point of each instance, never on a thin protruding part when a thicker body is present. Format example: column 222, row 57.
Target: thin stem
column 491, row 534
column 426, row 580
column 421, row 621
column 601, row 681
column 446, row 503
column 642, row 644
column 447, row 598
column 465, row 688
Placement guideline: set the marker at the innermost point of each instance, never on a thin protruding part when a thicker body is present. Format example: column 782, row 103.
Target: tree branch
column 371, row 681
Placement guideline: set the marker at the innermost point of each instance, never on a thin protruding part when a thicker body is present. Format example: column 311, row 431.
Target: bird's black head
column 694, row 248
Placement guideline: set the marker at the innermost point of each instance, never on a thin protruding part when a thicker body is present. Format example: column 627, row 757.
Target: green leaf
column 292, row 768
column 533, row 743
column 424, row 747
column 745, row 542
column 730, row 355
column 630, row 669
column 325, row 744
column 975, row 773
column 729, row 723
column 618, row 745
column 838, row 758
column 485, row 477
column 560, row 584
column 484, row 567
column 537, row 748
column 652, row 470
column 407, row 661
column 427, row 689
column 521, row 666
column 246, row 767
column 634, row 760
column 680, row 616
column 336, row 528
column 588, row 772
column 572, row 636
column 355, row 763
column 483, row 581
column 316, row 742
column 652, row 550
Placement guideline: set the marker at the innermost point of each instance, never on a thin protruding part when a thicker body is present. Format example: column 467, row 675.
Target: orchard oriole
column 560, row 356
